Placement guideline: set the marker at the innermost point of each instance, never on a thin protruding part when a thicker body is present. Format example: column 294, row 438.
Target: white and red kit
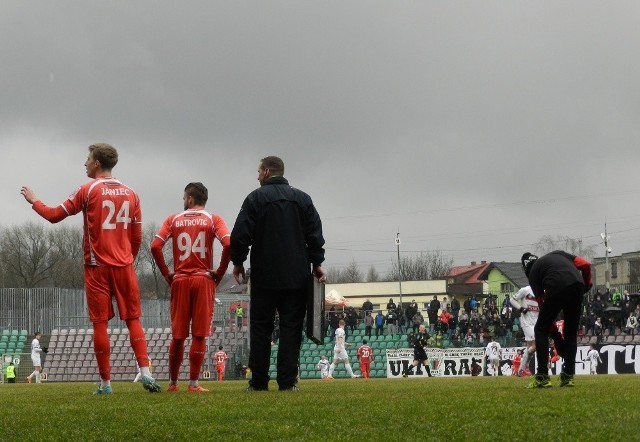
column 524, row 298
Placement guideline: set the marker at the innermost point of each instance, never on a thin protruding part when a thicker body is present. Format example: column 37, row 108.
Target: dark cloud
column 475, row 128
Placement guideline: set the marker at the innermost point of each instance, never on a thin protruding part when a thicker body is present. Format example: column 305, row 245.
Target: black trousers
column 569, row 301
column 291, row 307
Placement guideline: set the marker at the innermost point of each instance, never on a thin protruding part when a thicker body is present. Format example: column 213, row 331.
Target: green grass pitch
column 599, row 408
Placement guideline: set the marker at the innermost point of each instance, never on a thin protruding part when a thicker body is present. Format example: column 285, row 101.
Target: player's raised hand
column 28, row 194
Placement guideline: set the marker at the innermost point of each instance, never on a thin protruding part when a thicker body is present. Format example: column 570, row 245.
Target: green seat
column 22, row 338
column 13, row 338
column 24, row 333
column 14, row 333
column 4, row 338
column 6, row 332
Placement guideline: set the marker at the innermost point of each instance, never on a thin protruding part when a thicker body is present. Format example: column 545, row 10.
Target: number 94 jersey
column 193, row 232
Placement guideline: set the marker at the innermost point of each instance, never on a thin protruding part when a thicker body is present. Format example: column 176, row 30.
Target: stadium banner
column 470, row 361
column 442, row 362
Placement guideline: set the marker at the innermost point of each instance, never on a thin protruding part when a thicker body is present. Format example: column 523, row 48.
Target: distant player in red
column 515, row 363
column 365, row 355
column 221, row 362
column 112, row 237
column 193, row 280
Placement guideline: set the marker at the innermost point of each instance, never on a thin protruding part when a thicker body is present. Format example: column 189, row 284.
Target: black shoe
column 252, row 387
column 291, row 388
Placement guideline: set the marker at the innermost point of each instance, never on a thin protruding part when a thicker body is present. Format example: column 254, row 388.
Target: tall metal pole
column 399, row 268
column 607, row 250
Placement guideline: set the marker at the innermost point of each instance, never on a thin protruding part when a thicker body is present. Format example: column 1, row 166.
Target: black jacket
column 553, row 272
column 284, row 231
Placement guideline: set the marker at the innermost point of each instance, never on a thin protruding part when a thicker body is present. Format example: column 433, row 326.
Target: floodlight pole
column 605, row 238
column 399, row 269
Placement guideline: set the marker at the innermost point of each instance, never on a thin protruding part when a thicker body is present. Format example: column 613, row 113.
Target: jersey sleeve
column 136, row 228
column 51, row 214
column 221, row 232
column 69, row 207
column 585, row 268
column 158, row 244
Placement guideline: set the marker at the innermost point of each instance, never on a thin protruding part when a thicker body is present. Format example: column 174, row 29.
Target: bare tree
column 152, row 283
column 29, row 255
column 334, row 275
column 548, row 243
column 372, row 275
column 68, row 252
column 352, row 273
column 422, row 267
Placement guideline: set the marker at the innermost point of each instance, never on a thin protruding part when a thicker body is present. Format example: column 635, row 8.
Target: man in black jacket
column 283, row 229
column 559, row 281
column 434, row 306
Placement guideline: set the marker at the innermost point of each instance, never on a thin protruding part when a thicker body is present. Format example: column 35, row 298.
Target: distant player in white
column 340, row 352
column 526, row 303
column 492, row 352
column 323, row 366
column 35, row 358
column 594, row 357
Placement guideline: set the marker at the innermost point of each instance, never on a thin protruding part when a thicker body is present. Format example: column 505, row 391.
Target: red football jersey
column 365, row 353
column 193, row 232
column 220, row 357
column 112, row 220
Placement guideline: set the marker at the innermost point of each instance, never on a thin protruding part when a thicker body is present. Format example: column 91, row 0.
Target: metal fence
column 46, row 309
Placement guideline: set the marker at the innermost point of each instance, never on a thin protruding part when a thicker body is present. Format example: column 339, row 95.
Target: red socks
column 196, row 357
column 102, row 349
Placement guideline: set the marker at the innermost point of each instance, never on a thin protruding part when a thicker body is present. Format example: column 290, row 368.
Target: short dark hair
column 198, row 192
column 275, row 164
column 105, row 153
column 220, row 347
column 364, row 341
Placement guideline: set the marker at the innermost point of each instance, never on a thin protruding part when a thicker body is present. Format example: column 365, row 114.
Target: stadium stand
column 71, row 355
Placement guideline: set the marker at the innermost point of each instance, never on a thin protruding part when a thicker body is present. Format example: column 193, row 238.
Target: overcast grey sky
column 475, row 127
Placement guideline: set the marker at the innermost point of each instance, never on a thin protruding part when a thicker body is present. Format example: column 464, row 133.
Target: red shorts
column 102, row 283
column 220, row 368
column 364, row 365
column 191, row 302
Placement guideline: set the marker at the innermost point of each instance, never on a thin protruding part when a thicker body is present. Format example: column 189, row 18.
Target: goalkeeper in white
column 525, row 302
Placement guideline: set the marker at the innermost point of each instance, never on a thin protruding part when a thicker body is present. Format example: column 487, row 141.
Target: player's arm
column 156, row 251
column 136, row 238
column 514, row 299
column 225, row 257
column 51, row 214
